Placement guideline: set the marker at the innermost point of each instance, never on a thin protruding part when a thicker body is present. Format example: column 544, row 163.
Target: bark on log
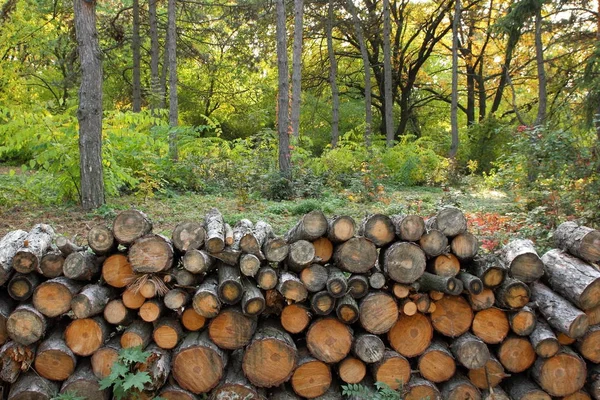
column 215, row 231
column 230, row 287
column 131, row 225
column 445, row 265
column 253, row 300
column 378, row 228
column 14, row 359
column 580, row 241
column 491, row 325
column 231, row 329
column 253, row 241
column 275, row 249
column 115, row 313
column 198, row 261
column 368, row 348
column 336, row 282
column 6, row 307
column 175, row 299
column 249, row 265
column 452, row 316
column 358, row 286
column 433, row 243
column 490, row 269
column 543, row 340
column 152, row 310
column 167, row 333
column 26, row 325
column 235, row 385
column 558, row 312
column 54, row 360
column 228, row 235
column 351, row 370
column 37, row 242
column 21, row 286
column 521, row 388
column 91, row 300
column 188, row 235
column 191, row 320
column 450, row 221
column 340, row 228
column 522, row 322
column 378, row 312
column 562, row 374
column 84, row 383
column 295, row 318
column 329, row 340
column 175, row 392
column 85, row 336
column 437, row 363
column 310, row 227
column 101, row 240
column 470, row 282
column 31, row 386
column 408, row 227
column 403, row 262
column 323, row 250
column 291, row 287
column 446, row 284
column 516, row 354
column 9, row 245
column 419, row 389
column 393, row 370
column 470, row 351
column 157, row 366
column 483, row 300
column 81, row 266
column 51, row 264
column 67, row 246
column 357, row 255
column 411, row 335
column 522, row 260
column 312, row 377
column 459, row 388
column 589, row 345
column 105, row 357
column 489, row 376
column 465, row 246
column 150, row 254
column 266, row 278
column 322, row 303
column 314, row 277
column 512, row 294
column 347, row 310
column 301, row 255
column 206, row 300
column 593, row 381
column 139, row 333
column 593, row 315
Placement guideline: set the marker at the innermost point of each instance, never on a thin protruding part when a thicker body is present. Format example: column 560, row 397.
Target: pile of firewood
column 241, row 313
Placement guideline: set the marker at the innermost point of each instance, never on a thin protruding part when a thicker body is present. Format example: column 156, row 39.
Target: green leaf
column 133, row 355
column 136, row 381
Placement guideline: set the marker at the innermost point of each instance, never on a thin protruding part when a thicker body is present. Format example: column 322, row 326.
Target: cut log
column 295, row 318
column 175, row 392
column 301, row 255
column 116, row 313
column 368, row 348
column 26, row 325
column 67, row 246
column 593, row 315
column 323, row 249
column 470, row 351
column 347, row 310
column 581, row 241
column 228, row 235
column 206, row 300
column 188, row 235
column 85, row 336
column 291, row 287
column 167, row 333
column 105, row 357
column 449, row 220
column 446, row 265
column 191, row 320
column 578, row 395
column 376, row 279
column 408, row 307
column 423, row 302
column 132, row 298
column 9, row 245
column 275, row 249
column 84, row 383
column 522, row 322
column 401, row 291
column 445, row 284
column 358, row 286
column 148, row 289
column 51, row 264
column 411, row 335
column 589, row 345
column 357, row 255
column 31, row 386
column 522, row 260
column 270, row 358
column 408, row 227
column 562, row 374
column 253, row 241
column 215, row 231
column 489, row 376
column 403, row 262
column 433, row 243
column 230, row 284
column 131, row 225
column 314, row 277
column 543, row 340
column 322, row 303
column 516, row 354
column 575, row 280
column 198, row 364
column 198, row 261
column 37, row 242
column 182, row 277
column 312, row 377
column 340, row 228
column 378, row 312
column 512, row 294
column 253, row 300
column 117, row 272
column 6, row 307
column 465, row 246
column 21, row 286
column 563, row 339
column 157, row 366
column 559, row 313
column 470, row 282
column 393, row 370
column 231, row 329
column 491, row 325
column 419, row 389
column 378, row 228
column 483, row 300
column 310, row 227
column 175, row 299
column 101, row 240
column 521, row 388
column 152, row 310
column 54, row 360
column 593, row 382
column 91, row 301
column 351, row 370
column 266, row 278
column 437, row 364
column 452, row 316
column 14, row 359
column 459, row 388
column 336, row 282
column 139, row 333
column 81, row 266
column 249, row 265
column 235, row 385
column 329, row 340
column 150, row 254
column 490, row 269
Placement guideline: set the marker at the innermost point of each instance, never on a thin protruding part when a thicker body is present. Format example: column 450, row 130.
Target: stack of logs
column 241, row 313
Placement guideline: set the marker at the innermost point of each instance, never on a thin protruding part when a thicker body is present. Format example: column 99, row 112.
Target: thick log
column 152, row 310
column 51, row 264
column 470, row 351
column 230, row 287
column 336, row 282
column 340, row 228
column 411, row 335
column 522, row 322
column 490, row 269
column 445, row 265
column 37, row 242
column 266, row 278
column 310, row 227
column 593, row 315
column 31, row 386
column 358, row 286
column 157, row 366
column 84, row 383
column 198, row 261
column 404, row 262
column 560, row 375
column 589, row 345
column 368, row 348
column 578, row 395
column 253, row 241
column 131, row 225
column 198, row 364
column 175, row 392
column 314, row 277
column 9, row 245
column 54, row 360
column 101, row 240
column 433, row 243
column 471, row 283
column 26, row 325
column 139, row 333
column 188, row 235
column 408, row 227
column 191, row 320
column 117, row 272
column 521, row 388
column 275, row 249
column 378, row 312
column 91, row 300
column 235, row 385
column 291, row 287
column 593, row 381
column 301, row 255
column 21, row 286
column 378, row 228
column 323, row 249
column 516, row 354
column 6, row 307
column 581, row 241
column 115, row 313
column 543, row 340
column 419, row 389
column 465, row 246
column 132, row 298
column 512, row 294
column 253, row 300
column 351, row 370
column 483, row 300
column 249, row 265
column 393, row 370
column 295, row 318
column 357, row 255
column 449, row 220
column 452, row 316
column 459, row 388
column 206, row 300
column 81, row 266
column 347, row 310
column 14, row 359
column 445, row 284
column 231, row 329
column 175, row 299
column 522, row 260
column 150, row 254
column 329, row 340
column 488, row 376
column 105, row 357
column 167, row 333
column 559, row 313
column 312, row 377
column 270, row 358
column 575, row 280
column 85, row 336
column 437, row 364
column 491, row 325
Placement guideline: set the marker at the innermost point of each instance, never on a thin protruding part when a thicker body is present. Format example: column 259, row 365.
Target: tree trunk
column 433, row 243
column 115, row 313
column 512, row 294
column 117, row 271
column 297, row 67
column 387, row 72
column 452, row 316
column 523, row 321
column 89, row 113
column 37, row 242
column 206, row 300
column 139, row 333
column 580, row 241
column 155, row 87
column 543, row 340
column 285, row 165
column 335, row 95
column 314, row 277
column 188, row 235
column 135, row 49
column 54, row 360
column 454, row 100
column 91, row 300
column 470, row 351
column 404, row 262
column 232, row 329
column 151, row 254
column 516, row 354
column 173, row 104
column 541, row 71
column 491, row 325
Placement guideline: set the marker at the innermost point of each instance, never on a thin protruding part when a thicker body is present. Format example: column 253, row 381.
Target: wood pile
column 237, row 312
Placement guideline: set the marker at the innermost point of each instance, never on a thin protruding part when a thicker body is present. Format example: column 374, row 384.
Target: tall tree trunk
column 454, row 104
column 387, row 75
column 539, row 58
column 597, row 113
column 470, row 77
column 335, row 97
column 163, row 74
column 297, row 67
column 513, row 38
column 135, row 48
column 482, row 93
column 285, row 166
column 89, row 113
column 154, row 54
column 173, row 106
column 367, row 66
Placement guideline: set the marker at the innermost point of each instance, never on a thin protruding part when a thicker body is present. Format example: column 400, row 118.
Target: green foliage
column 381, row 391
column 123, row 379
column 68, row 396
column 488, row 141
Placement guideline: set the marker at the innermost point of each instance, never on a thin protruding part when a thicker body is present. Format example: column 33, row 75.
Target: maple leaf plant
column 124, row 379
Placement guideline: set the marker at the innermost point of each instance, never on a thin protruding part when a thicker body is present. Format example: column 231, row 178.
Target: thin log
column 235, row 385
column 512, row 294
column 191, row 320
column 411, row 335
column 26, row 325
column 470, row 282
column 314, row 277
column 51, row 264
column 358, row 286
column 516, row 354
column 115, row 313
column 275, row 249
column 347, row 310
column 450, row 221
column 437, row 363
column 544, row 340
column 91, row 301
column 230, row 284
column 322, row 303
column 452, row 316
column 419, row 389
column 368, row 348
column 167, row 333
column 151, row 253
column 490, row 269
column 446, row 284
column 393, row 370
column 291, row 287
column 521, row 388
column 522, row 260
column 523, row 321
column 351, row 370
column 465, row 246
column 177, row 298
column 589, row 345
column 206, row 301
column 295, row 318
column 21, row 286
column 329, row 340
column 323, row 249
column 489, row 376
column 37, row 242
column 266, row 278
column 378, row 312
column 470, row 351
column 105, row 357
column 357, row 255
column 253, row 300
column 312, row 377
column 301, row 255
column 433, row 243
column 408, row 227
column 491, row 325
column 139, row 333
column 459, row 388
